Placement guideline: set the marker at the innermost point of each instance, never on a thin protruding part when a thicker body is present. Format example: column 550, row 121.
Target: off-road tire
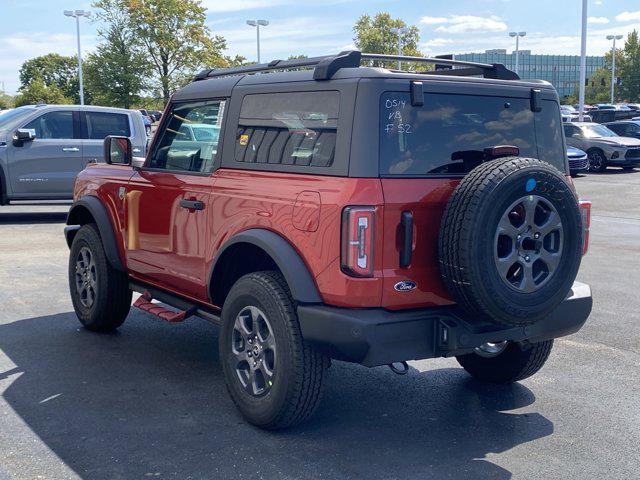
column 467, row 235
column 515, row 363
column 113, row 295
column 299, row 368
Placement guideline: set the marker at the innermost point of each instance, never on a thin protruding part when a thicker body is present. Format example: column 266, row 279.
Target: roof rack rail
column 326, row 66
column 487, row 70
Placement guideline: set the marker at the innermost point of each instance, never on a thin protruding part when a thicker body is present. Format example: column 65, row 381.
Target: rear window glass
column 450, row 132
column 296, row 128
column 102, row 124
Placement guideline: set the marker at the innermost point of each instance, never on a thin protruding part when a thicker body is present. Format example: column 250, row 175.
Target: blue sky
column 35, row 27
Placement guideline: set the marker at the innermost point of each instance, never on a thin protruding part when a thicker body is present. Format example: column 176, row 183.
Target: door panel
column 46, row 167
column 49, row 164
column 165, row 241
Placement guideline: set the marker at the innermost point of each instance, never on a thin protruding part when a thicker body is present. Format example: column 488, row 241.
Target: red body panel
column 173, row 247
column 425, row 199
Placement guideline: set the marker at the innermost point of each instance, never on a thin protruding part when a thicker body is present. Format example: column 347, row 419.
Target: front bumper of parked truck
column 376, row 336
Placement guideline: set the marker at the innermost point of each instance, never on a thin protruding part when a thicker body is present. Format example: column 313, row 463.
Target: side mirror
column 25, row 135
column 117, row 150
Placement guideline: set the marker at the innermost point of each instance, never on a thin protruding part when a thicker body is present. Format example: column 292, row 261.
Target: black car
column 155, row 115
column 625, row 128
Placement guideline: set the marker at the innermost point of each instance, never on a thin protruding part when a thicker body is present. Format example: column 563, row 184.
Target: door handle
column 192, row 204
column 406, row 223
column 70, row 149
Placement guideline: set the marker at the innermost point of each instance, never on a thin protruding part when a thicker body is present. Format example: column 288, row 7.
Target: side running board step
column 145, row 302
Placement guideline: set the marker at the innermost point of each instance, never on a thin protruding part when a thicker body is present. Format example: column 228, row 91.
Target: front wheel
column 505, row 362
column 597, row 161
column 100, row 294
column 273, row 376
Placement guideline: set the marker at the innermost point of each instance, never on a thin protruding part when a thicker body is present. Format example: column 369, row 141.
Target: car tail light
column 585, row 211
column 358, row 224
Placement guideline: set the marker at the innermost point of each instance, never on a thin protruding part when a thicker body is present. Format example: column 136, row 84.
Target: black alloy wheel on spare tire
column 510, row 242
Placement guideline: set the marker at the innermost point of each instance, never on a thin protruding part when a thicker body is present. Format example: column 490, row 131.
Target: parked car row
column 603, row 146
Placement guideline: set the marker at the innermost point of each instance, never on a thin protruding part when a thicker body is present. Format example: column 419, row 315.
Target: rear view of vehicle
column 349, row 212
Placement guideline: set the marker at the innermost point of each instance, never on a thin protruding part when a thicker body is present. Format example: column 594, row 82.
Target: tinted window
column 449, row 134
column 102, row 124
column 296, row 128
column 53, row 125
column 178, row 149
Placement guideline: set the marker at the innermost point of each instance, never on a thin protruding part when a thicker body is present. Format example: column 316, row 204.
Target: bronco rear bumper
column 376, row 336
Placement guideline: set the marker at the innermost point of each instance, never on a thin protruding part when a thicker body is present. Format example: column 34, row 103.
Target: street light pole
column 583, row 62
column 517, row 35
column 257, row 24
column 77, row 14
column 613, row 63
column 399, row 31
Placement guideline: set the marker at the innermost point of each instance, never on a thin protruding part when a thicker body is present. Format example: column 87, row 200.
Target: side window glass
column 53, row 125
column 190, row 138
column 297, row 128
column 102, row 124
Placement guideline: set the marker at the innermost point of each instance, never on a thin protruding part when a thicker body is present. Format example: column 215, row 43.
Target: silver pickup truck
column 43, row 147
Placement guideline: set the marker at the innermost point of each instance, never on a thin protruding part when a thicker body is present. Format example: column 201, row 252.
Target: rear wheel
column 273, row 376
column 505, row 362
column 100, row 294
column 597, row 161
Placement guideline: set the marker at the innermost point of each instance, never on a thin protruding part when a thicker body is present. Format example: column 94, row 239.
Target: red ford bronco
column 320, row 208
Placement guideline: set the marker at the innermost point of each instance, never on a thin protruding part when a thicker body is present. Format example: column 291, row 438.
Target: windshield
column 596, row 130
column 15, row 114
column 450, row 132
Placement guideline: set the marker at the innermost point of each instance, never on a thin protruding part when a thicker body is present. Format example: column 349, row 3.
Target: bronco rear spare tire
column 511, row 241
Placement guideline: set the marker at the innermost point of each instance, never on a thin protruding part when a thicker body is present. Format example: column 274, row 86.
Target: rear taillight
column 585, row 211
column 358, row 225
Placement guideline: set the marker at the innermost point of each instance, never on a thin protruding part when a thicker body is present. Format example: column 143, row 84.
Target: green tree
column 37, row 91
column 6, row 101
column 117, row 72
column 374, row 35
column 52, row 69
column 598, row 88
column 628, row 69
column 176, row 39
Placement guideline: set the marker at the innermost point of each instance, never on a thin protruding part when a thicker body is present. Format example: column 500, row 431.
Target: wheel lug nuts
column 250, row 354
column 537, row 235
column 526, row 258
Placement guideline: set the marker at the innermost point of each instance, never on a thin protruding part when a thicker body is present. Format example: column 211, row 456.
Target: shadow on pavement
column 150, row 401
column 15, row 218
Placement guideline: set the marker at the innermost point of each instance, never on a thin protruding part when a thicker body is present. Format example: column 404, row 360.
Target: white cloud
column 23, row 46
column 472, row 23
column 433, row 20
column 600, row 20
column 293, row 36
column 628, row 16
column 437, row 42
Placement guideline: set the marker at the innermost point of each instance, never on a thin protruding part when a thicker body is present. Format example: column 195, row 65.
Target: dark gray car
column 603, row 146
column 43, row 147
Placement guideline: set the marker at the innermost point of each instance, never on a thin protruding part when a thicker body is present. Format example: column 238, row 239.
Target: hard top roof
column 222, row 86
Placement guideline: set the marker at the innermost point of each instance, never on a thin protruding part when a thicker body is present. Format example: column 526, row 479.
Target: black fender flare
column 97, row 210
column 301, row 284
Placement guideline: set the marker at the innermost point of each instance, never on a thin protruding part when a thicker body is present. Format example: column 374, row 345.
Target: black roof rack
column 326, row 66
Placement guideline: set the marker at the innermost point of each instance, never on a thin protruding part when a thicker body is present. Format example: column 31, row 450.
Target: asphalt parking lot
column 150, row 402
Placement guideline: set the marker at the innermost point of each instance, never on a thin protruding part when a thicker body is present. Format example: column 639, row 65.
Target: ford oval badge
column 405, row 286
